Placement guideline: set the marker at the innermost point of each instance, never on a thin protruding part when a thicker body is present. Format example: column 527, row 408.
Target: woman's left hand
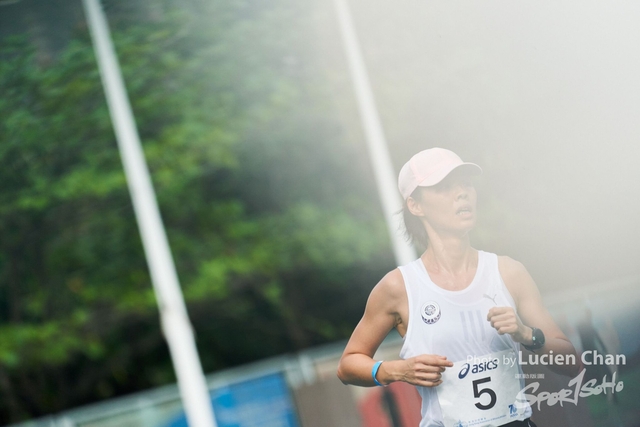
column 506, row 321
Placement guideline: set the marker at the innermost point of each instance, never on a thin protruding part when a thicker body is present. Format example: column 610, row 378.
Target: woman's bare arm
column 382, row 313
column 530, row 313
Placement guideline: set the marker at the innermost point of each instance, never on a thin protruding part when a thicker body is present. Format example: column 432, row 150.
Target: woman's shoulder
column 510, row 269
column 393, row 281
column 390, row 287
column 515, row 277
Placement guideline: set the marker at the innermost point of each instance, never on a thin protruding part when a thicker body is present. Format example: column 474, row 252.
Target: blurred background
column 251, row 131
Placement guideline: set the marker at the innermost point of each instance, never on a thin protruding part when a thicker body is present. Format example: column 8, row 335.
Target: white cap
column 429, row 167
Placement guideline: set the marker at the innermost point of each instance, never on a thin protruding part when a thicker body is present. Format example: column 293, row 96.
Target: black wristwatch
column 538, row 340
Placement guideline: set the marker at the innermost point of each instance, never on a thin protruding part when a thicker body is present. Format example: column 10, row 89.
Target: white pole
column 378, row 151
column 173, row 314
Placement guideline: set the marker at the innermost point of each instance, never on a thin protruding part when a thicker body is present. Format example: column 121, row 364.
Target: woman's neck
column 452, row 255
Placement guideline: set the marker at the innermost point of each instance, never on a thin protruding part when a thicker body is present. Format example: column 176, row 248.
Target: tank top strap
column 419, row 284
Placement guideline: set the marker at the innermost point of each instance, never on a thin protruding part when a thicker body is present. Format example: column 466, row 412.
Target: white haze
column 544, row 95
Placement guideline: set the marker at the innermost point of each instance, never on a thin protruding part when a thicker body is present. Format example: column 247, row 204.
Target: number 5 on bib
column 482, row 392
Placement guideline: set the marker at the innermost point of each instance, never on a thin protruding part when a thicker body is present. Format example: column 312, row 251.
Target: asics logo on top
column 476, row 368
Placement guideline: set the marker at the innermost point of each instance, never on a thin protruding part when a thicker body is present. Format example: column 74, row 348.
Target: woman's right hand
column 424, row 370
column 387, row 307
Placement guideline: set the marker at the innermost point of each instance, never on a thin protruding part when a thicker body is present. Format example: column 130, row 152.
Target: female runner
column 463, row 313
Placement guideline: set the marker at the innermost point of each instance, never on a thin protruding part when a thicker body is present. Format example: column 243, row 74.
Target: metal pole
column 173, row 314
column 378, row 151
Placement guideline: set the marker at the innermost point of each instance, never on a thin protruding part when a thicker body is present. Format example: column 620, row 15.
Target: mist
column 543, row 95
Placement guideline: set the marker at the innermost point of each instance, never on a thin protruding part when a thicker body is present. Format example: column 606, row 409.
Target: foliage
column 275, row 243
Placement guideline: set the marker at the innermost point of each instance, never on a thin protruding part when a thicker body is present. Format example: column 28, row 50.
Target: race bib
column 481, row 392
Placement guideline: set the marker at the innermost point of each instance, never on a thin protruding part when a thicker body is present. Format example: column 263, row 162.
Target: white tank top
column 456, row 325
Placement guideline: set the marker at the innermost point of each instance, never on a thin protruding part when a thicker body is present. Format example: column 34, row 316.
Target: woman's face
column 449, row 206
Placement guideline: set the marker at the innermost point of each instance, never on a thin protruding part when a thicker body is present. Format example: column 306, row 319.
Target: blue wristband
column 374, row 372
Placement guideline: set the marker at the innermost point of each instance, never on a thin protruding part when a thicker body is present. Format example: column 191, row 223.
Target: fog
column 543, row 95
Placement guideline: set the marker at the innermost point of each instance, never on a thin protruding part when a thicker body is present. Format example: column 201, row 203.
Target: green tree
column 276, row 235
